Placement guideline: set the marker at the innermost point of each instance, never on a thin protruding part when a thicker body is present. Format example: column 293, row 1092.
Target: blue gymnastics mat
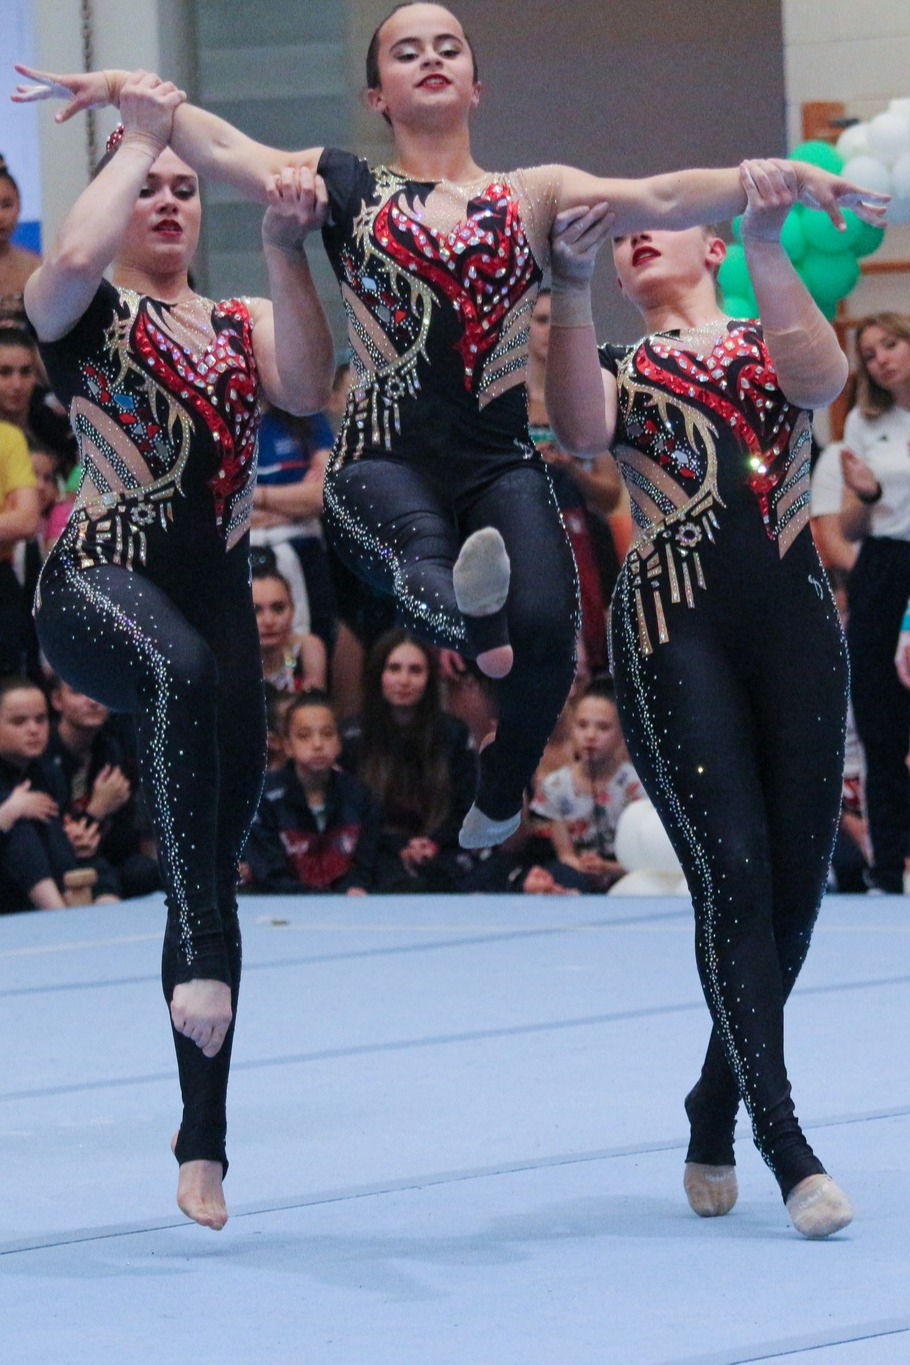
column 456, row 1138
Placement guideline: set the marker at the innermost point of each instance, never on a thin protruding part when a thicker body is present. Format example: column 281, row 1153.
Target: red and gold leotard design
column 704, row 438
column 164, row 401
column 438, row 281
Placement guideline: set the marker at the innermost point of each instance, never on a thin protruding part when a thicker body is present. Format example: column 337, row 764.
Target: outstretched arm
column 291, row 337
column 211, row 145
column 689, row 198
column 59, row 292
column 581, row 397
column 811, row 367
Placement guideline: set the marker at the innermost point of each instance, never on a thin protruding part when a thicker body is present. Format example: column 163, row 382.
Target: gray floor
column 456, row 1136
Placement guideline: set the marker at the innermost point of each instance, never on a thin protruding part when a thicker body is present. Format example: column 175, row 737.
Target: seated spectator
column 27, row 403
column 16, row 262
column 290, row 662
column 276, row 704
column 419, row 763
column 287, row 511
column 39, row 845
column 583, row 801
column 18, row 521
column 99, row 782
column 29, row 555
column 317, row 828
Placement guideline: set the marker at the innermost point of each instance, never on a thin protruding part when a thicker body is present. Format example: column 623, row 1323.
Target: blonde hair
column 871, row 399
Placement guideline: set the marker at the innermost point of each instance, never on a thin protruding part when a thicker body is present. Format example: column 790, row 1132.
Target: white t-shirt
column 592, row 819
column 883, row 443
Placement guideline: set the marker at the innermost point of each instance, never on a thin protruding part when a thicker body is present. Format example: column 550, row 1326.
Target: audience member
column 16, row 262
column 419, row 763
column 19, row 516
column 27, row 403
column 98, row 779
column 317, row 828
column 287, row 510
column 39, row 845
column 290, row 662
column 876, row 512
column 276, row 704
column 583, row 801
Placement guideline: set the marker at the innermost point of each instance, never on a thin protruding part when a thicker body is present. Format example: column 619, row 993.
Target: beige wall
column 156, row 35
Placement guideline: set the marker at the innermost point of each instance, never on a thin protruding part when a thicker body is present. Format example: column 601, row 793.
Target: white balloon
column 641, row 841
column 898, row 211
column 900, row 107
column 889, row 136
column 854, row 141
column 900, row 177
column 868, row 173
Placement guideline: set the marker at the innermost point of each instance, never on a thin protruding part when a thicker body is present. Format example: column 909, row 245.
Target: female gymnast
column 436, row 491
column 729, row 660
column 145, row 603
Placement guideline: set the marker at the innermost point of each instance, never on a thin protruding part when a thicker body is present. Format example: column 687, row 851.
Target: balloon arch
column 875, row 155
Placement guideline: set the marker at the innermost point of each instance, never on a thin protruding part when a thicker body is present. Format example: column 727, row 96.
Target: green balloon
column 868, row 239
column 819, row 153
column 792, row 236
column 733, row 275
column 739, row 307
column 828, row 276
column 820, row 232
column 736, row 227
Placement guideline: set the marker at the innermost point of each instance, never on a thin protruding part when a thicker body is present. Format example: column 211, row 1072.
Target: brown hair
column 372, row 61
column 404, row 766
column 5, row 174
column 871, row 399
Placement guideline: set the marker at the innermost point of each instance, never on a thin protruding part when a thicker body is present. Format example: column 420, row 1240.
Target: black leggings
column 400, row 528
column 878, row 591
column 191, row 676
column 736, row 728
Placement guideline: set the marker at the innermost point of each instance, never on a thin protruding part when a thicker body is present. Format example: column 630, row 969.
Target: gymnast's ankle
column 711, row 1129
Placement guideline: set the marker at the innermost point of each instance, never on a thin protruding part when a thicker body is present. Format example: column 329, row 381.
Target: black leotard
column 731, row 679
column 145, row 604
column 439, row 282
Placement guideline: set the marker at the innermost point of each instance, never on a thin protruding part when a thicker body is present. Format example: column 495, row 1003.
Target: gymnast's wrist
column 285, row 233
column 570, row 303
column 141, row 141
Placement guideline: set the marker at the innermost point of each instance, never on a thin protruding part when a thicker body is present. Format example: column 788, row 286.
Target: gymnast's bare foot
column 200, row 1194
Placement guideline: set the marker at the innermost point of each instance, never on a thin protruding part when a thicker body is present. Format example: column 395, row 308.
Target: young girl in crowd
column 729, row 659
column 144, row 602
column 582, row 802
column 436, row 493
column 419, row 763
column 290, row 662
